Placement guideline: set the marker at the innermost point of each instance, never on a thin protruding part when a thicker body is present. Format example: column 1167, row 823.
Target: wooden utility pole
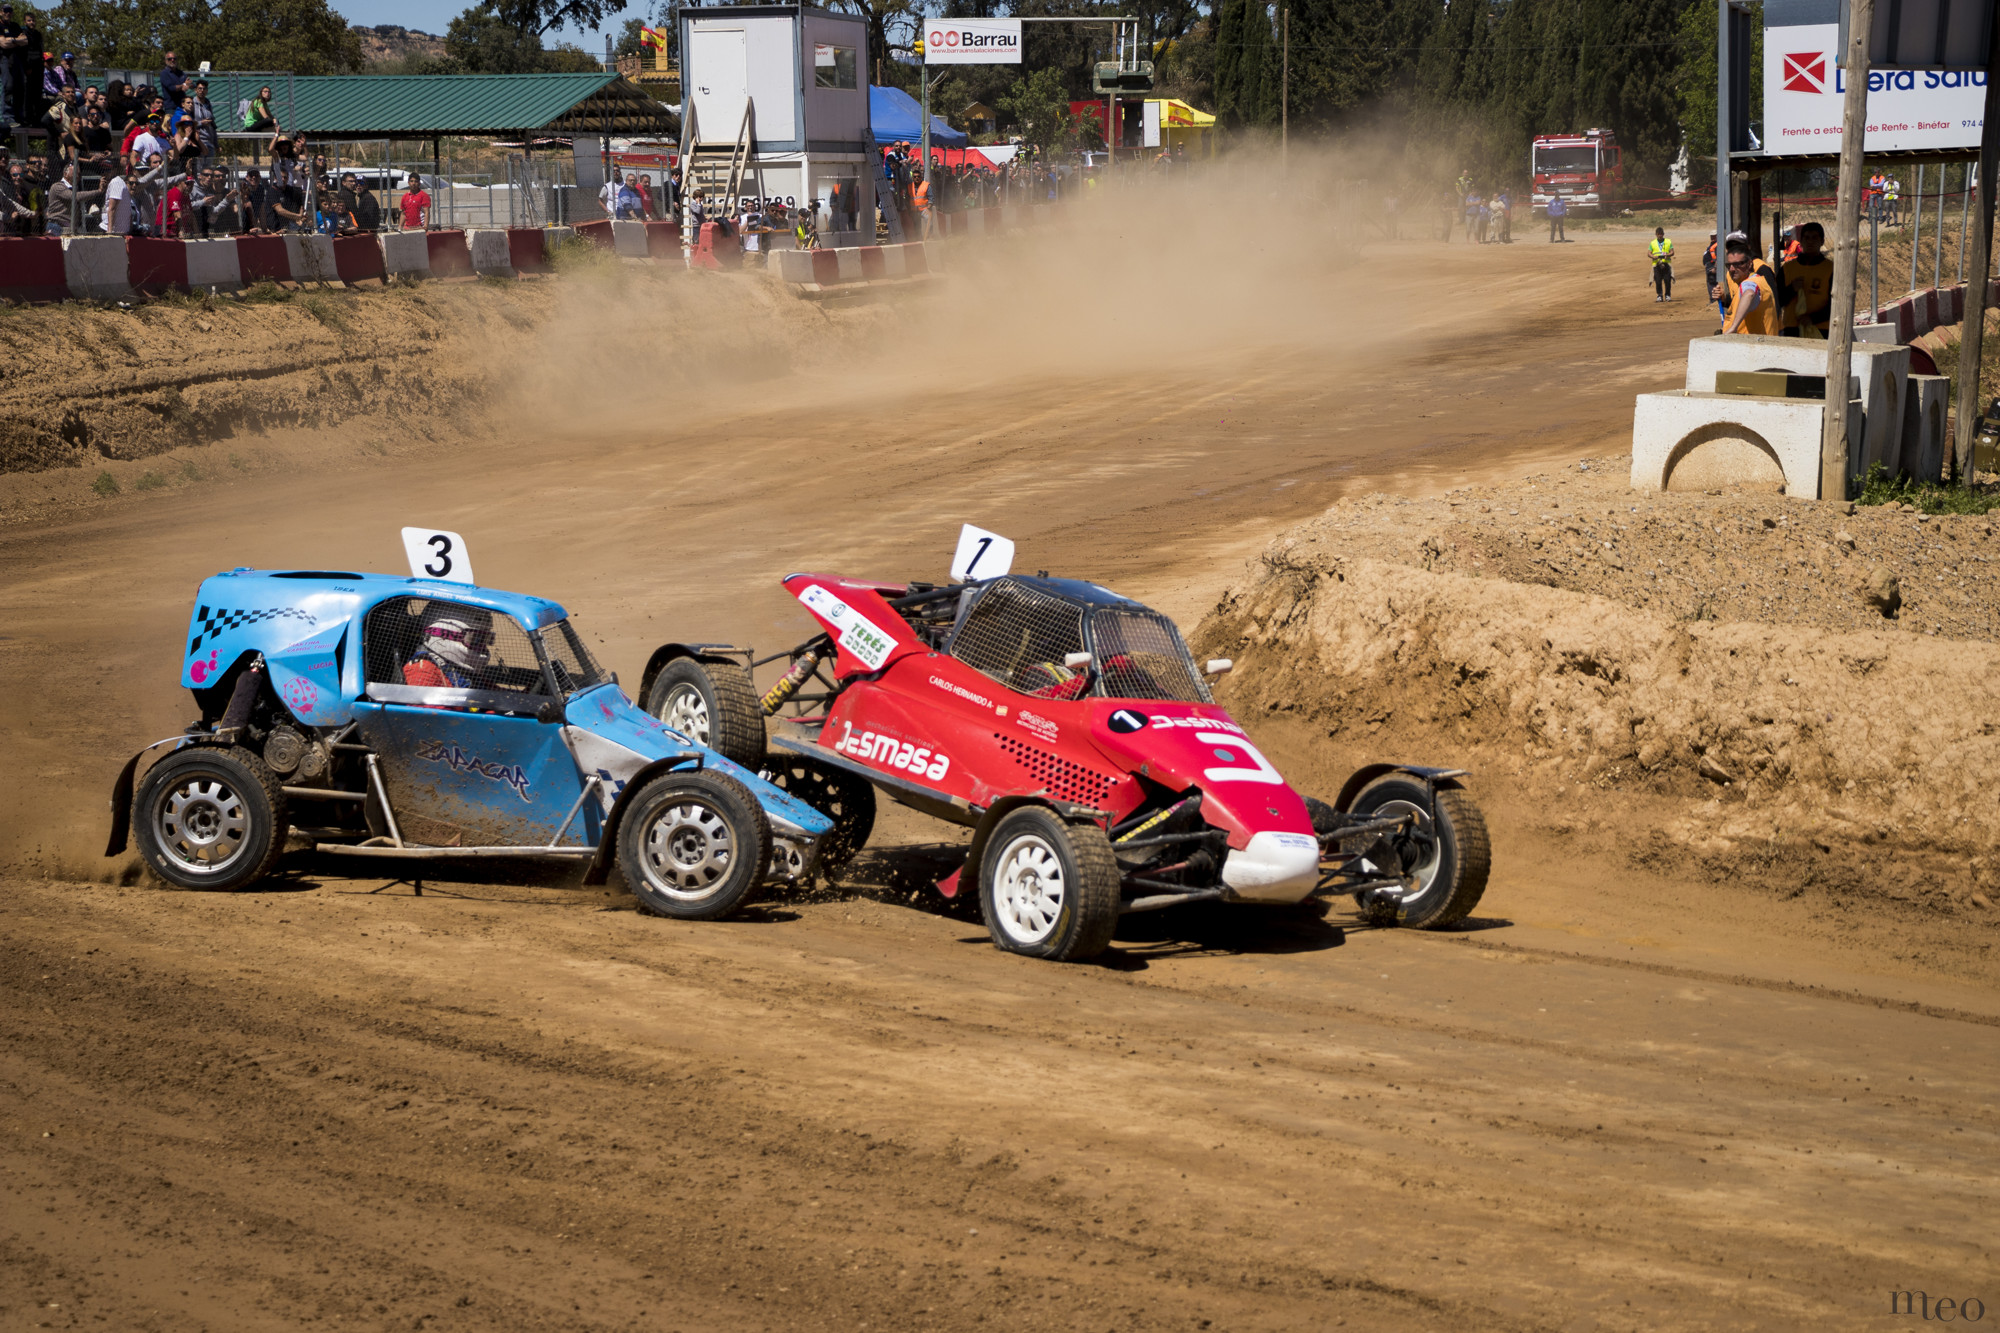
column 1285, row 88
column 1977, row 265
column 1833, row 461
column 1725, row 57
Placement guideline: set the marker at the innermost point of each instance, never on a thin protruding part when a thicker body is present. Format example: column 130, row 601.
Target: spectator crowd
column 144, row 159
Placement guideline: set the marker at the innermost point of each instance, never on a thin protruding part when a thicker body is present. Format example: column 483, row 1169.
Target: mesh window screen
column 570, row 661
column 1141, row 656
column 420, row 641
column 1020, row 637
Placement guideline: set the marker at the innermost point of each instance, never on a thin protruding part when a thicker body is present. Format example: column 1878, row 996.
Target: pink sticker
column 200, row 671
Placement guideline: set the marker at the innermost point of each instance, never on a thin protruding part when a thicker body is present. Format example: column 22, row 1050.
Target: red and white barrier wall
column 112, row 268
column 863, row 263
column 1920, row 312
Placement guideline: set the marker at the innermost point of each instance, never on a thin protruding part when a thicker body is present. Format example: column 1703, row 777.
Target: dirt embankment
column 1721, row 652
column 94, row 383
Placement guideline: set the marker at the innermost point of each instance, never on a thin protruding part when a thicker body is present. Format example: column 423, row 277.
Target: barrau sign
column 1907, row 108
column 972, row 42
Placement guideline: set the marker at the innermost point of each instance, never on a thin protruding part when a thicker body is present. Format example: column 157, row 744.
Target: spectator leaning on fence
column 627, row 208
column 117, row 218
column 65, row 199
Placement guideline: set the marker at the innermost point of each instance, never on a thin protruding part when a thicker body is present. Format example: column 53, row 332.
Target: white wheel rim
column 688, row 850
column 686, row 712
column 1028, row 889
column 1426, row 870
column 202, row 825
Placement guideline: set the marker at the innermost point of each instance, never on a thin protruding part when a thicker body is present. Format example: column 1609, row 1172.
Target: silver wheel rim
column 688, row 850
column 202, row 825
column 1028, row 889
column 1426, row 870
column 686, row 712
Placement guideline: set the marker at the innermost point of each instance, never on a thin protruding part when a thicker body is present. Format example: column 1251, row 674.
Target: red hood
column 1198, row 745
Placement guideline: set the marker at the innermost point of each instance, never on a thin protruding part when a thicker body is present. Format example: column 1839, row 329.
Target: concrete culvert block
column 1706, row 441
column 1879, row 371
column 1922, row 446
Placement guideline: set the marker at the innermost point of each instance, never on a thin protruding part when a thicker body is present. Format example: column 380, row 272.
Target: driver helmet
column 460, row 635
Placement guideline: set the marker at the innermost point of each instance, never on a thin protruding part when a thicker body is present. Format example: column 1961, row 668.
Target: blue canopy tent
column 898, row 119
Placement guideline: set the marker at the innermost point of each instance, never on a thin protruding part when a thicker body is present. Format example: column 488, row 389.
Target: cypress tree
column 1228, row 27
column 1257, row 102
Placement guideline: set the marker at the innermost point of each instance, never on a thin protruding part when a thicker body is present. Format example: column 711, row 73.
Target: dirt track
column 1626, row 1098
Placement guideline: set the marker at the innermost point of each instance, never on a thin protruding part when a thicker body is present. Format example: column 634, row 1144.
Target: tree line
column 1467, row 80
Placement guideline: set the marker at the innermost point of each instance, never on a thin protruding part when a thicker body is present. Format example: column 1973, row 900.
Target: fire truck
column 1587, row 170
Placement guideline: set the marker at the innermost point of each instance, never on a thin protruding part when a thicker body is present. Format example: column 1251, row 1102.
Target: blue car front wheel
column 693, row 845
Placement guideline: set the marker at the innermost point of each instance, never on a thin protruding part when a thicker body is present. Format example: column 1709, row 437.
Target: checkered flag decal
column 213, row 622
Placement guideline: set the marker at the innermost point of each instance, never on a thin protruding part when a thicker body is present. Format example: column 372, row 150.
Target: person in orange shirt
column 1754, row 309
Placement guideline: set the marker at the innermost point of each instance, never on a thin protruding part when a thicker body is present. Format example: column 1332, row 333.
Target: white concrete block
column 628, row 239
column 1881, row 368
column 310, row 258
column 1876, row 333
column 406, row 252
column 795, row 265
column 850, row 266
column 1923, row 435
column 553, row 238
column 213, row 264
column 96, row 268
column 489, row 251
column 893, row 263
column 1685, row 441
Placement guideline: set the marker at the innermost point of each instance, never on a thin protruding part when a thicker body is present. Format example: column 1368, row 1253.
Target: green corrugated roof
column 422, row 105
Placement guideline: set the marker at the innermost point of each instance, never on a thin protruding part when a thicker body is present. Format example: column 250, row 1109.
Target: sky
column 434, row 16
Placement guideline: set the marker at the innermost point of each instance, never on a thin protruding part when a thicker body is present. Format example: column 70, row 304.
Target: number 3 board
column 435, row 554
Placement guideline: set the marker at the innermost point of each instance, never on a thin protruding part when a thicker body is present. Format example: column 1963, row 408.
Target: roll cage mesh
column 570, row 660
column 1140, row 655
column 1020, row 637
column 393, row 638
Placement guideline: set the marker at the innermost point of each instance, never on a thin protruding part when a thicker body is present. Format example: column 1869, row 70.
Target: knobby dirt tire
column 1465, row 856
column 1082, row 920
column 219, row 785
column 693, row 846
column 843, row 797
column 730, row 720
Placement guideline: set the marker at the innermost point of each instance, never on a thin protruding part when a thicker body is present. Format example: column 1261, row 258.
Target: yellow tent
column 1183, row 127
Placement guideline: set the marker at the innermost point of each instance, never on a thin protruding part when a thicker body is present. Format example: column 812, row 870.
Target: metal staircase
column 717, row 168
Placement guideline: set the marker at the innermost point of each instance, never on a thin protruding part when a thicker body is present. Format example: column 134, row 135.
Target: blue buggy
column 383, row 716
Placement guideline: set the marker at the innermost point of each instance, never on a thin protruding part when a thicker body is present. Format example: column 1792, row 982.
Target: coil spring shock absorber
column 788, row 685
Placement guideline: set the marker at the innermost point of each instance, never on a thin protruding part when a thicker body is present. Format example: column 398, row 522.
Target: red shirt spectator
column 416, row 205
column 173, row 209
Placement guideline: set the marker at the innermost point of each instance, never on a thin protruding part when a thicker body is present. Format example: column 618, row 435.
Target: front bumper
column 1273, row 868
